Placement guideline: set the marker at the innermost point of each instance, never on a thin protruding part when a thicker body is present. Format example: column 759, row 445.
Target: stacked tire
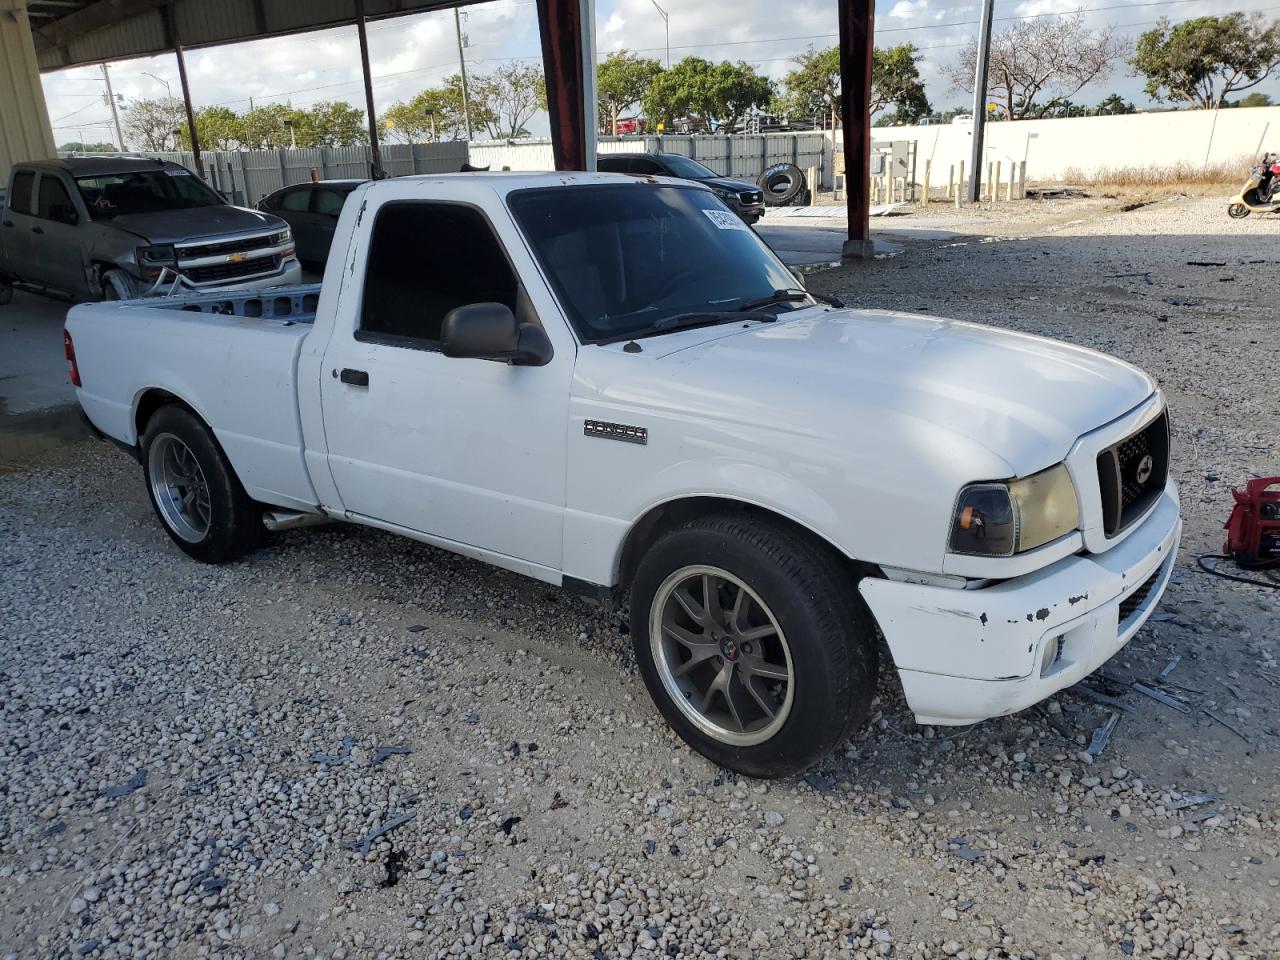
column 784, row 185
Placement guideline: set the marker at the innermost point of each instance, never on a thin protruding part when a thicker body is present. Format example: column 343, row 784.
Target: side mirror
column 63, row 213
column 490, row 331
column 799, row 277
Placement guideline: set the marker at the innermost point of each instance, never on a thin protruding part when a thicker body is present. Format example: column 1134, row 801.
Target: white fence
column 1051, row 148
column 743, row 156
column 246, row 176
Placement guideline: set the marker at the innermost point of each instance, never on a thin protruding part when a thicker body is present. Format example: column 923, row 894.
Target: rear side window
column 330, row 201
column 425, row 260
column 296, row 201
column 20, row 196
column 55, row 203
column 613, row 164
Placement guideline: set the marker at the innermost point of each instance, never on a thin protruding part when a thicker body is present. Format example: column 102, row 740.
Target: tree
column 706, row 94
column 150, row 124
column 330, row 123
column 1038, row 65
column 435, row 113
column 505, row 100
column 1115, row 105
column 217, row 127
column 813, row 88
column 1254, row 99
column 622, row 81
column 1202, row 60
column 75, row 146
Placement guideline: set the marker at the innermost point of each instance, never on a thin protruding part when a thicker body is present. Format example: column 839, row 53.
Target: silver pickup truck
column 107, row 228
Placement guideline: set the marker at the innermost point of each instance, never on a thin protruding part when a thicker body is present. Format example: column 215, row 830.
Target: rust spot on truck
column 1042, row 613
column 1074, row 600
column 983, row 618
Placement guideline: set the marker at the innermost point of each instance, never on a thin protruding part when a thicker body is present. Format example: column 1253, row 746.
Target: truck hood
column 1024, row 399
column 196, row 223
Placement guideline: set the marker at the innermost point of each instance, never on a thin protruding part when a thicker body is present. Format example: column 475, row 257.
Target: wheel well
column 668, row 516
column 150, row 402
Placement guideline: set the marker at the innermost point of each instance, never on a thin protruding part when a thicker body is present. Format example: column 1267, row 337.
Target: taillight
column 70, row 349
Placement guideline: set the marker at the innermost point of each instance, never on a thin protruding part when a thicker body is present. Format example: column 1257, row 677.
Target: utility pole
column 462, row 63
column 980, row 100
column 666, row 20
column 111, row 100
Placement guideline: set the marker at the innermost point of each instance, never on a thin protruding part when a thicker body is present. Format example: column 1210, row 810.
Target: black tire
column 828, row 632
column 119, row 285
column 234, row 522
column 782, row 184
column 1237, row 211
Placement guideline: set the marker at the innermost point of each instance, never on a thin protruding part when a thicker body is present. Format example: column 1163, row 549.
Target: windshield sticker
column 178, row 172
column 726, row 220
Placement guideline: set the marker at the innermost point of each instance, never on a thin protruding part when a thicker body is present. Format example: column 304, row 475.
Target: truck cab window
column 54, row 201
column 20, row 196
column 295, row 201
column 425, row 260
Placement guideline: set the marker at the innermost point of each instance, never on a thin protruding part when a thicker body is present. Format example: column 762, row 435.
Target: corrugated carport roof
column 69, row 33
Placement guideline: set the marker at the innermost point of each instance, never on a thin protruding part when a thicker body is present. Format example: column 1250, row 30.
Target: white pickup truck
column 612, row 384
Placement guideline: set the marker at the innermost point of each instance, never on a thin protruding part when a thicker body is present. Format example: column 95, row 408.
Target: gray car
column 107, row 228
column 311, row 210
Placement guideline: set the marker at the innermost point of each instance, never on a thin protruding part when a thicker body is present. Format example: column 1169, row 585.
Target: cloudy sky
column 419, row 51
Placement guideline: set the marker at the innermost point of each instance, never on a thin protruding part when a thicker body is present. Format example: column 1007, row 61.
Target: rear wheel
column 753, row 643
column 194, row 491
column 1237, row 211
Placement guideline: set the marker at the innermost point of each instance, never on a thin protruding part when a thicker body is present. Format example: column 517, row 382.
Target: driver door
column 468, row 451
column 55, row 238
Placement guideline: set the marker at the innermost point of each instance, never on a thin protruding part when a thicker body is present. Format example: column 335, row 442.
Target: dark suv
column 745, row 199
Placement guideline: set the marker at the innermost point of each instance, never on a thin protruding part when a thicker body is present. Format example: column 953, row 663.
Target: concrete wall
column 25, row 133
column 1088, row 144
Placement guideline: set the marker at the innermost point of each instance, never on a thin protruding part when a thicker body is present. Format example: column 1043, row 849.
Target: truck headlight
column 161, row 253
column 284, row 236
column 724, row 194
column 1001, row 519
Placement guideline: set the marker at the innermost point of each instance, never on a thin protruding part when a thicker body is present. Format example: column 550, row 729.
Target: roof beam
column 95, row 16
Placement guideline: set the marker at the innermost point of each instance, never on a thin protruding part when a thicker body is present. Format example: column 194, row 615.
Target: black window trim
column 422, row 344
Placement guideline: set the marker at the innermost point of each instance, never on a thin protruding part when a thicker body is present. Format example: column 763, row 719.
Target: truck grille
column 1132, row 473
column 231, row 271
column 1130, row 604
column 239, row 245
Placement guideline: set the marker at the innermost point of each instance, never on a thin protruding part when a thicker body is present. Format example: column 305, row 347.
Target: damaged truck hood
column 195, row 223
column 1023, row 399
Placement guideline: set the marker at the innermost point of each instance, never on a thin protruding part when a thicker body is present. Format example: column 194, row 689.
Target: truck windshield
column 144, row 191
column 635, row 258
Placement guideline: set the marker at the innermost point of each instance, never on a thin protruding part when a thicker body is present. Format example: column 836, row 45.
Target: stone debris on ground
column 546, row 809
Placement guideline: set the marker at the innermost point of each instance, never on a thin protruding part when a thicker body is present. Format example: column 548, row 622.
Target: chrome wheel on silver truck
column 721, row 655
column 194, row 490
column 753, row 641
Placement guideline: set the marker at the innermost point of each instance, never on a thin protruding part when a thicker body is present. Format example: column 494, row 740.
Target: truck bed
column 233, row 357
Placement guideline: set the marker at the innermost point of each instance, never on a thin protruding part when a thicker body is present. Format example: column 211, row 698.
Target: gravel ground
column 197, row 761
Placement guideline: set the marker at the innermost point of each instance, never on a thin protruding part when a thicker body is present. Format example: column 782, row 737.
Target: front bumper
column 751, row 213
column 968, row 655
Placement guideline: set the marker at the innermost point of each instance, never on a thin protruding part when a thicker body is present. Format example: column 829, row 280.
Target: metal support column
column 171, row 38
column 857, row 43
column 374, row 149
column 980, row 101
column 568, row 56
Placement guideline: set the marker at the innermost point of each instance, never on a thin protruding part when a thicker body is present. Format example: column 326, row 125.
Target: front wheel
column 1237, row 211
column 118, row 285
column 194, row 491
column 753, row 643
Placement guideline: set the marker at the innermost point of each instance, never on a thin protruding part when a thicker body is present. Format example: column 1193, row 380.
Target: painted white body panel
column 860, row 425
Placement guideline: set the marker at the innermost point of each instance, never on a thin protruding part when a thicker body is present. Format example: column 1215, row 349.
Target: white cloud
column 615, row 24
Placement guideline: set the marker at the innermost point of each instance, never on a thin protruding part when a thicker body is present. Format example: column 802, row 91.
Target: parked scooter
column 1261, row 192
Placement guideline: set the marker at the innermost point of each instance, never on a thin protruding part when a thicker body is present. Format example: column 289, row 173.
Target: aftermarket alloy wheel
column 753, row 643
column 194, row 490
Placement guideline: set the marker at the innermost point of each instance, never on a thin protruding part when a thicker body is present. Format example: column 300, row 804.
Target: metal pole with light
column 980, row 100
column 462, row 67
column 666, row 20
column 111, row 101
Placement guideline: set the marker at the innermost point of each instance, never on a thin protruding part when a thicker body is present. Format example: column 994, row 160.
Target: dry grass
column 1179, row 176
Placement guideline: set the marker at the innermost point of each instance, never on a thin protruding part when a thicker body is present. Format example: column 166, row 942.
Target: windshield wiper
column 794, row 295
column 682, row 321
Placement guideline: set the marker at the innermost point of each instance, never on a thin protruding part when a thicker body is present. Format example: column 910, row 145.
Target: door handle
column 357, row 378
column 37, row 229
